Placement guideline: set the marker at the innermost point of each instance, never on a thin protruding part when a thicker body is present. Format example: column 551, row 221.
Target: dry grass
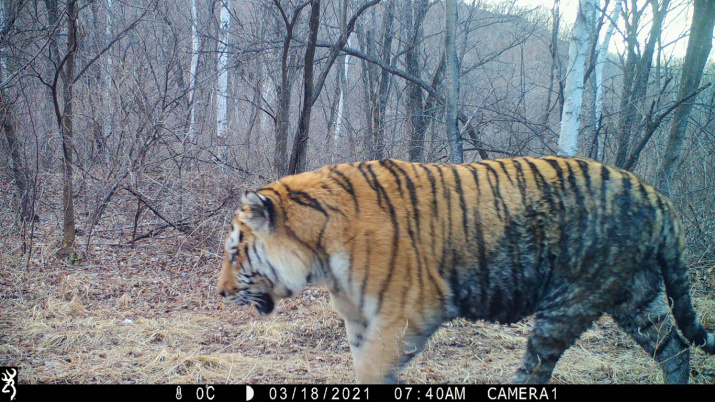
column 150, row 315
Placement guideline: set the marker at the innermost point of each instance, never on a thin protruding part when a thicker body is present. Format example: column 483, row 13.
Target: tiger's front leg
column 380, row 346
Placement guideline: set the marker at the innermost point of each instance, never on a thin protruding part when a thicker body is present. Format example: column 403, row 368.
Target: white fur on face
column 290, row 267
column 232, row 241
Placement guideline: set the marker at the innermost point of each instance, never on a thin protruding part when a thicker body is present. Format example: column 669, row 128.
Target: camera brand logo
column 8, row 376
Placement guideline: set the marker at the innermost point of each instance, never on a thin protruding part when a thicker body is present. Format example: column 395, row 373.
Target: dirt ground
column 149, row 314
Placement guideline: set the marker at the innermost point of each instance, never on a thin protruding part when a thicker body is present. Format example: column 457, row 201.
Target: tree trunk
column 417, row 124
column 636, row 76
column 336, row 109
column 193, row 68
column 298, row 161
column 280, row 155
column 699, row 46
column 19, row 173
column 337, row 47
column 456, row 154
column 598, row 76
column 555, row 65
column 367, row 76
column 108, row 124
column 298, row 158
column 222, row 68
column 380, row 88
column 66, row 129
column 4, row 29
column 574, row 89
column 7, row 122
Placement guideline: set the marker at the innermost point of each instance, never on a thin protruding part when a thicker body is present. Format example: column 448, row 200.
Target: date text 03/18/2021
column 409, row 393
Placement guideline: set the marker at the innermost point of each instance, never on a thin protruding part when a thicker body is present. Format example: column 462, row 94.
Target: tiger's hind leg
column 554, row 332
column 650, row 324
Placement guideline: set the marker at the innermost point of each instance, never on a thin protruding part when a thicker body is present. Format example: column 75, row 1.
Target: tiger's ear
column 257, row 212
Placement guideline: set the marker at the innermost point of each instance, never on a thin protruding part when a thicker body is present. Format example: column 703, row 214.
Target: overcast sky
column 676, row 24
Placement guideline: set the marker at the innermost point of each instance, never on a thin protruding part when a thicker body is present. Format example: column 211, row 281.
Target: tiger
column 403, row 247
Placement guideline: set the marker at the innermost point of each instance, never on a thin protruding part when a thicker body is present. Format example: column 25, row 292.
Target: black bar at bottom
column 353, row 392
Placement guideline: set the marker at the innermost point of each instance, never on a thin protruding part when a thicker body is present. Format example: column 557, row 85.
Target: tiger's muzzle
column 262, row 301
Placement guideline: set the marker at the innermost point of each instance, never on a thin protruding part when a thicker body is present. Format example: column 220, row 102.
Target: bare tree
column 378, row 84
column 391, row 94
column 109, row 123
column 65, row 119
column 194, row 67
column 699, row 46
column 7, row 124
column 555, row 65
column 8, row 17
column 637, row 69
column 417, row 123
column 298, row 158
column 456, row 155
column 575, row 79
column 336, row 108
column 280, row 158
column 598, row 75
column 222, row 68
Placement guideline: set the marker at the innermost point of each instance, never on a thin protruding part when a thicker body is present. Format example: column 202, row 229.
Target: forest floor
column 149, row 314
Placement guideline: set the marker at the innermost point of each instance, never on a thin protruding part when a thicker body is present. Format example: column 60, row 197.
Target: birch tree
column 574, row 88
column 342, row 82
column 335, row 121
column 222, row 68
column 193, row 68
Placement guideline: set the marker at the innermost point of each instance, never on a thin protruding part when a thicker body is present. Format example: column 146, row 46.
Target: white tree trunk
column 574, row 88
column 339, row 117
column 269, row 97
column 601, row 61
column 194, row 66
column 222, row 106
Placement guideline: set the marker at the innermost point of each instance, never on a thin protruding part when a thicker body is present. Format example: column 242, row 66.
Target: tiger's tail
column 671, row 260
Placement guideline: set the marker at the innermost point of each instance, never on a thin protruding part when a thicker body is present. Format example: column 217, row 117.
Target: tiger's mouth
column 263, row 302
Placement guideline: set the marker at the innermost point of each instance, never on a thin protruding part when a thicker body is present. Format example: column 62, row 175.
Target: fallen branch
column 184, row 226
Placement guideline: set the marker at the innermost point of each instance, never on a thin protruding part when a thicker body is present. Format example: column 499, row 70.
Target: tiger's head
column 262, row 262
